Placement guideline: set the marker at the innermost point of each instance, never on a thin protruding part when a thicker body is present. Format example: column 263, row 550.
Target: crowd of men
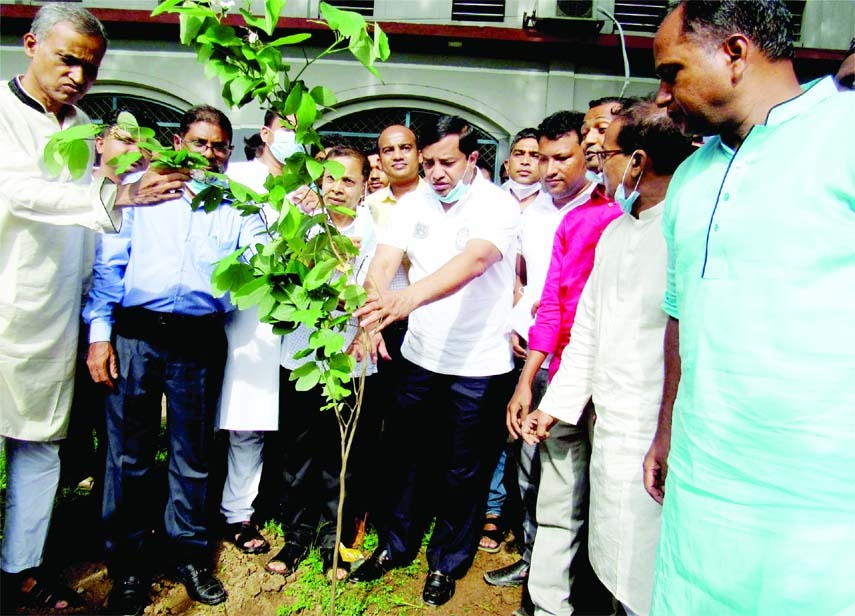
column 663, row 327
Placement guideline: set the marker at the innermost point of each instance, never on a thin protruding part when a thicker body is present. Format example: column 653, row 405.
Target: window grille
column 478, row 10
column 641, row 15
column 164, row 119
column 363, row 7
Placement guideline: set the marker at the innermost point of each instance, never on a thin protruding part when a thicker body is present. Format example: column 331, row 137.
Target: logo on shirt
column 421, row 231
column 462, row 238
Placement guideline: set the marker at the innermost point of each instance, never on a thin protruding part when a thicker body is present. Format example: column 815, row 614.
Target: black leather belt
column 164, row 327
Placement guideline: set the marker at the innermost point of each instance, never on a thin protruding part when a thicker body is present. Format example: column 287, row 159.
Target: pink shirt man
column 572, row 261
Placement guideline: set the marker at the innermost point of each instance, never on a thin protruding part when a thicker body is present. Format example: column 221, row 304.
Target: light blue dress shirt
column 162, row 260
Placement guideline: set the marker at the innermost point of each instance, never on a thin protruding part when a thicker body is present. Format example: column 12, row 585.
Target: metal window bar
column 164, row 119
column 363, row 7
column 478, row 10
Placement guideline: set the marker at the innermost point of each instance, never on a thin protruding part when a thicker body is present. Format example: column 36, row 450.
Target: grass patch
column 310, row 592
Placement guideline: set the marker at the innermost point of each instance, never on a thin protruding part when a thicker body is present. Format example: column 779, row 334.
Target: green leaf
column 347, row 23
column 251, row 293
column 209, row 199
column 307, row 376
column 320, row 274
column 381, row 44
column 307, row 112
column 272, row 10
column 221, row 35
column 294, row 99
column 340, row 209
column 123, row 162
column 323, row 96
column 78, row 158
column 283, row 312
column 252, row 20
column 229, row 272
column 240, row 86
column 362, row 48
column 54, row 162
column 189, row 27
column 353, row 296
column 293, row 39
column 334, row 168
column 314, row 168
column 290, row 223
column 166, row 6
column 342, row 363
column 327, row 339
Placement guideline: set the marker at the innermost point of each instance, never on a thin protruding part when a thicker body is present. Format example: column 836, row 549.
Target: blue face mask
column 626, row 202
column 284, row 145
column 201, row 182
column 456, row 193
column 593, row 176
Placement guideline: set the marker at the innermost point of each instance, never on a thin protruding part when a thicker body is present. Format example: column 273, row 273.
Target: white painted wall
column 501, row 97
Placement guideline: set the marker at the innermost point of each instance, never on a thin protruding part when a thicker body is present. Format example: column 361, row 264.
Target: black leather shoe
column 201, row 584
column 377, row 565
column 129, row 597
column 512, row 575
column 439, row 588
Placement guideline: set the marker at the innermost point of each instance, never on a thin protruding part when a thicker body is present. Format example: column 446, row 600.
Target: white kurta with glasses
column 615, row 356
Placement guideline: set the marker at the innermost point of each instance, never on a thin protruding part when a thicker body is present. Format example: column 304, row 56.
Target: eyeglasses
column 604, row 155
column 219, row 148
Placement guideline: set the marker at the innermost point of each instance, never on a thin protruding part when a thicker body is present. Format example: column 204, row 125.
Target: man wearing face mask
column 570, row 221
column 460, row 237
column 523, row 175
column 615, row 353
column 156, row 328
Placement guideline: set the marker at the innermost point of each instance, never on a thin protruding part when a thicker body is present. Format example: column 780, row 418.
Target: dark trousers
column 186, row 364
column 368, row 457
column 443, row 439
column 308, row 451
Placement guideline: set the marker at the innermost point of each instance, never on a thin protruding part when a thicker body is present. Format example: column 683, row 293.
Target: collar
column 651, row 212
column 22, row 95
column 813, row 93
column 583, row 197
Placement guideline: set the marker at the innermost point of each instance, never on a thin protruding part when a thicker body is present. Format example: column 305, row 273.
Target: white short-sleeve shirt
column 466, row 333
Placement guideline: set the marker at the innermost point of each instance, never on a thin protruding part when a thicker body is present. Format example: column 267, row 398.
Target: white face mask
column 284, row 145
column 522, row 191
column 456, row 193
column 626, row 202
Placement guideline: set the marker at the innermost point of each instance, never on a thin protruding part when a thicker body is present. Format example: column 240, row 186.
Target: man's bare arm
column 656, row 460
column 385, row 308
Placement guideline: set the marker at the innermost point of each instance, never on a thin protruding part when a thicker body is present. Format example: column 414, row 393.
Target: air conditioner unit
column 570, row 18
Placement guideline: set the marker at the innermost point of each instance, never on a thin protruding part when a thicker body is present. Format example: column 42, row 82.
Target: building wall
column 499, row 96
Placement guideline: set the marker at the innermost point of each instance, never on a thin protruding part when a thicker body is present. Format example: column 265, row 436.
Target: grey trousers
column 243, row 476
column 561, row 514
column 32, row 472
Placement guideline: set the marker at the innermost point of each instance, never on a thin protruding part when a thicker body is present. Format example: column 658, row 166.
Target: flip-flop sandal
column 496, row 535
column 241, row 533
column 291, row 555
column 327, row 559
column 46, row 594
